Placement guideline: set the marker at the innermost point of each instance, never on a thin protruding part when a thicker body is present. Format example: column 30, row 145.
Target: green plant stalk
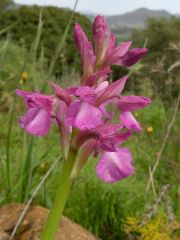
column 27, row 171
column 60, row 200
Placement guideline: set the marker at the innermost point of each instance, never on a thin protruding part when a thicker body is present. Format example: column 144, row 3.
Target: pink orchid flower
column 81, row 112
column 97, row 59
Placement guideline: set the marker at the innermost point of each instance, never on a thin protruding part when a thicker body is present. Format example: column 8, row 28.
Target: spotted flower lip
column 82, row 112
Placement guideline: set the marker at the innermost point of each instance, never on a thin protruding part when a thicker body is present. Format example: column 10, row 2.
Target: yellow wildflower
column 157, row 228
column 24, row 76
column 42, row 166
column 136, row 114
column 149, row 129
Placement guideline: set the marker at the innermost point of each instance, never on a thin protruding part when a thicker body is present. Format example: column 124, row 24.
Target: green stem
column 61, row 196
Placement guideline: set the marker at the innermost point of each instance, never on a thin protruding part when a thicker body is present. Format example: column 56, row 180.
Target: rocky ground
column 32, row 224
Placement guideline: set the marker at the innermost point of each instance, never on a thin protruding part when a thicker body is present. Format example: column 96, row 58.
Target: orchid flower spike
column 81, row 113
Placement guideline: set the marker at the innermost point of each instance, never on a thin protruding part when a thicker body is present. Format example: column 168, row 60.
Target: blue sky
column 110, row 7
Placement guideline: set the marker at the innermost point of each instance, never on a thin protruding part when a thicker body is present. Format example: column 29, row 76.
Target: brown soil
column 32, row 224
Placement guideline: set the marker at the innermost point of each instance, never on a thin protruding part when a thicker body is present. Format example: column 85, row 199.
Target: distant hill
column 136, row 19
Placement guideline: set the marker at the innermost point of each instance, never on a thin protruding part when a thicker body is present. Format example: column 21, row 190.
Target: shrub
column 162, row 64
column 25, row 20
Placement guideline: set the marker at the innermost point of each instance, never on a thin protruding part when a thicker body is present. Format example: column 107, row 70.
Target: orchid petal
column 106, row 129
column 98, row 77
column 23, row 93
column 115, row 166
column 112, row 42
column 36, row 121
column 122, row 49
column 132, row 57
column 71, row 90
column 111, row 91
column 117, row 53
column 132, row 103
column 35, row 99
column 102, row 38
column 129, row 121
column 83, row 115
column 110, row 143
column 38, row 117
column 86, row 50
column 61, row 93
column 101, row 86
column 86, row 94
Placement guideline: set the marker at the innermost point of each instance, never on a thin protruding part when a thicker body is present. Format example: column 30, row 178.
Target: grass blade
column 62, row 41
column 6, row 29
column 8, row 142
column 34, row 49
